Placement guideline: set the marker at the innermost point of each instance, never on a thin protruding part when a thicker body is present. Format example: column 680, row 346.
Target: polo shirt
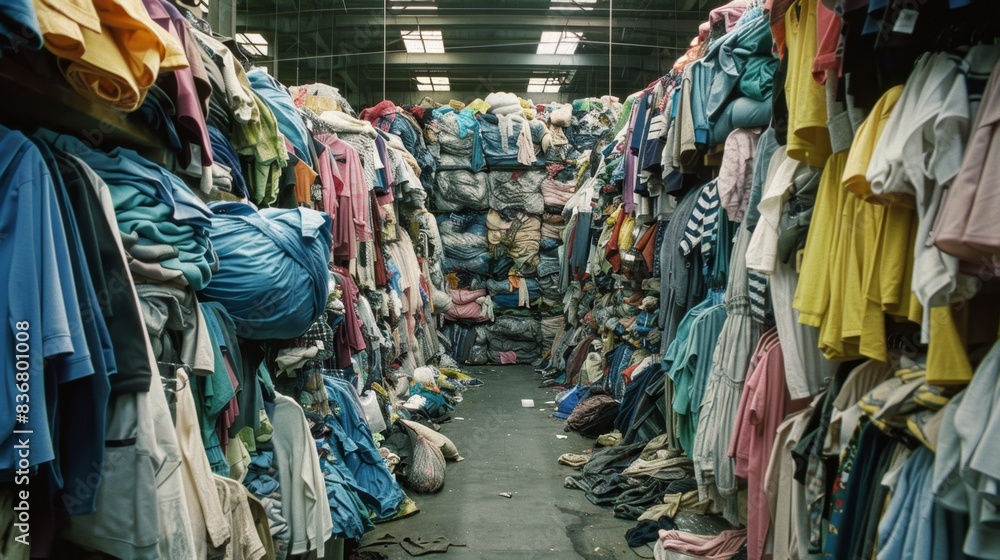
column 38, row 290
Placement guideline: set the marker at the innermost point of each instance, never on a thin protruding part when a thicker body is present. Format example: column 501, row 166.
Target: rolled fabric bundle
column 273, row 277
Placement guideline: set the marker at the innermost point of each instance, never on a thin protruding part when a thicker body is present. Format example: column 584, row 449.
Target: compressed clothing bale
column 451, row 162
column 517, row 237
column 506, row 295
column 558, row 186
column 517, row 189
column 273, row 277
column 503, row 103
column 464, row 238
column 510, row 141
column 510, row 327
column 467, row 305
column 461, row 190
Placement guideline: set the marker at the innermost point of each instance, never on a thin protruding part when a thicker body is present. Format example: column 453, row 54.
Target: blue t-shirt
column 39, row 298
column 19, row 26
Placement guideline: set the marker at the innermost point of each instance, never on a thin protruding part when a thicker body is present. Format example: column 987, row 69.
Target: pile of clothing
column 516, row 160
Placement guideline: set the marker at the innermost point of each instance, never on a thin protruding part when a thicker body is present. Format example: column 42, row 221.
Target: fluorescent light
column 559, row 42
column 544, row 85
column 433, row 83
column 254, row 43
column 421, row 41
column 572, row 4
column 413, row 5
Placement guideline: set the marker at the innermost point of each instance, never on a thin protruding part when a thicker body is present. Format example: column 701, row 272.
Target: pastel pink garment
column 828, row 38
column 729, row 14
column 508, row 357
column 736, row 173
column 721, row 547
column 763, row 407
column 967, row 225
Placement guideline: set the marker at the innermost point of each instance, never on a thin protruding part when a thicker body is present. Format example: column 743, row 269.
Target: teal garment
column 152, row 203
column 212, row 394
column 692, row 366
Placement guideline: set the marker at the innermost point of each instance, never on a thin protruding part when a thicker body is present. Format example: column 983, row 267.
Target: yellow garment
column 947, row 359
column 626, row 237
column 456, row 105
column 819, row 262
column 479, row 106
column 864, row 144
column 109, row 50
column 808, row 137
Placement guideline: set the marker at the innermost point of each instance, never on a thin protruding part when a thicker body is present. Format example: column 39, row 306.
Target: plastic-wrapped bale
column 548, row 257
column 558, row 186
column 550, row 329
column 476, row 350
column 507, row 295
column 521, row 188
column 553, row 226
column 517, row 236
column 459, row 189
column 273, row 277
column 465, row 241
column 513, row 141
column 552, row 296
column 514, row 339
column 469, row 305
column 457, row 134
column 452, row 162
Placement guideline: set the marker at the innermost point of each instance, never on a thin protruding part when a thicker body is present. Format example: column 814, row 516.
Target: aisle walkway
column 508, row 448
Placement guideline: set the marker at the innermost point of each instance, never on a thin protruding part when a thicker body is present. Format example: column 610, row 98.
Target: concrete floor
column 508, row 448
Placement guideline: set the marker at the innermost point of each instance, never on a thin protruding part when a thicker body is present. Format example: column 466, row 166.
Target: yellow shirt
column 109, row 50
column 808, row 136
column 812, row 297
column 864, row 144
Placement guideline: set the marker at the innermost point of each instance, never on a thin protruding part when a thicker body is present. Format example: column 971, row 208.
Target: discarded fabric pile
column 505, row 170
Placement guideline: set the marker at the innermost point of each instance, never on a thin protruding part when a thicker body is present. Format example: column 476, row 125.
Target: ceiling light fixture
column 433, row 83
column 421, row 41
column 559, row 42
column 254, row 43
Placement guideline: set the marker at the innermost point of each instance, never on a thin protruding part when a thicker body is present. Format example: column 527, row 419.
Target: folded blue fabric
column 152, row 203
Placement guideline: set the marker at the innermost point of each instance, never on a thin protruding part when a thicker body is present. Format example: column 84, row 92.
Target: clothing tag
column 906, row 21
column 798, row 260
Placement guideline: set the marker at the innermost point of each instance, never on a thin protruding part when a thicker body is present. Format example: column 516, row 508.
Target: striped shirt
column 702, row 227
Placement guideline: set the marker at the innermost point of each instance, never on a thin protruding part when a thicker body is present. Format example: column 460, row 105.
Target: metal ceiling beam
column 686, row 25
column 504, row 60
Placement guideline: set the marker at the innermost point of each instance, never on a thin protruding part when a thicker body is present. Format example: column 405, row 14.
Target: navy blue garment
column 273, row 277
column 152, row 203
column 633, row 394
column 365, row 462
column 39, row 302
column 19, row 26
column 78, row 417
column 566, row 406
column 110, row 276
column 290, row 122
column 224, row 153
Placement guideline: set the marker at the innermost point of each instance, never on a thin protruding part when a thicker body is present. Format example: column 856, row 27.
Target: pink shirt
column 828, row 38
column 763, row 407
